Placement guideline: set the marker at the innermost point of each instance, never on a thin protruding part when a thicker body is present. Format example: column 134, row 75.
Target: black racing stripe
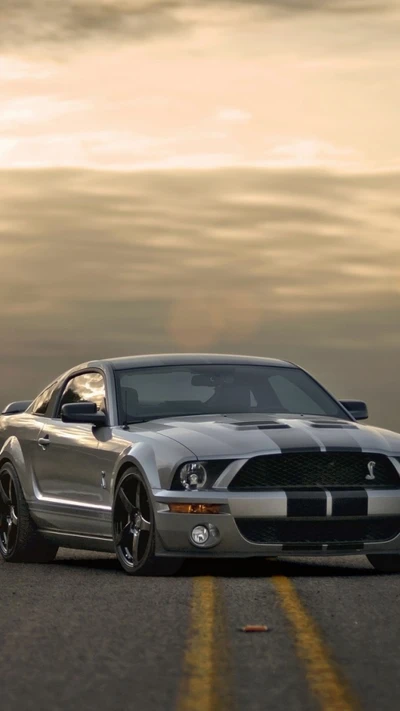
column 294, row 439
column 306, row 503
column 353, row 502
column 338, row 440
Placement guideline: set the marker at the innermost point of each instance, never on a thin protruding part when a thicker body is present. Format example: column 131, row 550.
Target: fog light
column 200, row 535
column 193, row 475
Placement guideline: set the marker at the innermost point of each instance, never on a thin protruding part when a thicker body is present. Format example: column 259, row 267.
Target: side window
column 41, row 404
column 88, row 387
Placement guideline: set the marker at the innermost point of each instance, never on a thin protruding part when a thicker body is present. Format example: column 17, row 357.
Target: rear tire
column 385, row 563
column 134, row 529
column 20, row 541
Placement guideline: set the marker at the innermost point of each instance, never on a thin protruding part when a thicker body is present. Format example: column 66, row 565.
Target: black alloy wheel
column 8, row 514
column 134, row 529
column 20, row 541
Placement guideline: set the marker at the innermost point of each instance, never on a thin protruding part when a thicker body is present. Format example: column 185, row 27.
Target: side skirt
column 79, row 542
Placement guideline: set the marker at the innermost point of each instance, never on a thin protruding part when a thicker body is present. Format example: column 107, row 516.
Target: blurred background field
column 302, row 265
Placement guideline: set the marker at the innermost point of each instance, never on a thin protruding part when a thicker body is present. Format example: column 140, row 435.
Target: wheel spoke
column 14, row 517
column 137, row 496
column 125, row 501
column 135, row 546
column 126, row 531
column 6, row 535
column 4, row 496
column 145, row 525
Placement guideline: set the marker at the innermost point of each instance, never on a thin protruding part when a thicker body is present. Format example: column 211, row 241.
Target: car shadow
column 87, row 560
column 233, row 568
column 261, row 568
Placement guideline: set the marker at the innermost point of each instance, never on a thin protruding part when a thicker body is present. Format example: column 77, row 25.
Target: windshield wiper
column 138, row 420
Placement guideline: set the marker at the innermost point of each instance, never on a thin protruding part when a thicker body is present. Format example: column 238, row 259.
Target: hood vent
column 277, row 426
column 333, row 425
column 261, row 425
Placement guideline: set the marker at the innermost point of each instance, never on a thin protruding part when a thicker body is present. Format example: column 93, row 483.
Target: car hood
column 242, row 435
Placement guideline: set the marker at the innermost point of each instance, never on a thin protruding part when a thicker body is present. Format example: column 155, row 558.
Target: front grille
column 315, row 469
column 286, row 531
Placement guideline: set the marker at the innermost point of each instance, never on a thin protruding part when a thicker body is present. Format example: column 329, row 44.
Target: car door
column 27, row 427
column 66, row 461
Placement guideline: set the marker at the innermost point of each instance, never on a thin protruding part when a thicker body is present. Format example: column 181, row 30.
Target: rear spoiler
column 13, row 408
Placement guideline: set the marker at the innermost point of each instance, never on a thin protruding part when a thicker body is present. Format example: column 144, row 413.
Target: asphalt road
column 80, row 634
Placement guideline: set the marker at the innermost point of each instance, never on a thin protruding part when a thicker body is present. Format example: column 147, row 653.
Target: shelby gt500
column 164, row 457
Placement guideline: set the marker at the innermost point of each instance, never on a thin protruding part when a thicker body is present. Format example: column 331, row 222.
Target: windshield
column 183, row 390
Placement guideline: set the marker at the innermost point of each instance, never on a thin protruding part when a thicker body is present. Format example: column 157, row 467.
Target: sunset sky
column 243, row 191
column 128, row 84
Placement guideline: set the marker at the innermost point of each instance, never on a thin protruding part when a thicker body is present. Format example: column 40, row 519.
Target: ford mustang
column 165, row 457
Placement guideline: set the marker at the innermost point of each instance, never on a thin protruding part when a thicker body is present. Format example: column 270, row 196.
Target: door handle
column 43, row 442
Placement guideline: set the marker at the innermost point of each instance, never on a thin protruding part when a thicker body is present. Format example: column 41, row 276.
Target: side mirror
column 14, row 408
column 84, row 413
column 357, row 408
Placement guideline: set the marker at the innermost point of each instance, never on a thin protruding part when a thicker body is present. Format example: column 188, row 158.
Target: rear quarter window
column 40, row 406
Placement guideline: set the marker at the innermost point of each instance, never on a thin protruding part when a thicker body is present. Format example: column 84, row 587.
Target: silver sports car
column 164, row 457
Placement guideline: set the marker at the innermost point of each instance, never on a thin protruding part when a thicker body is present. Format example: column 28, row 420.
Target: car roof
column 159, row 359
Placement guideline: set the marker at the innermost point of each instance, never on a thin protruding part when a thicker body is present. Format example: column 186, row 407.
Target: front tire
column 134, row 529
column 385, row 563
column 20, row 541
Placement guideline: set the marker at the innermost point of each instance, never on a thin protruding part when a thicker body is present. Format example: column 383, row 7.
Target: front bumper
column 174, row 528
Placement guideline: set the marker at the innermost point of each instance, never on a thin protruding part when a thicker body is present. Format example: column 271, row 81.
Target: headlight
column 213, row 469
column 193, row 475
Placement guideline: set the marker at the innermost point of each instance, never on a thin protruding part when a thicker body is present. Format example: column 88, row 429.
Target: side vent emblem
column 371, row 470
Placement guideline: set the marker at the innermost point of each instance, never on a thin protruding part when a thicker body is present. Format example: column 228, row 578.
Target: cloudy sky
column 221, row 175
column 127, row 84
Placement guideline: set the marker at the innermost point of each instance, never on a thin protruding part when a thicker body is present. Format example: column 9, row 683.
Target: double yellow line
column 206, row 684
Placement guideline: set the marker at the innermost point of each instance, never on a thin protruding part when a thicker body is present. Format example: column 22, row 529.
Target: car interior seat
column 231, row 398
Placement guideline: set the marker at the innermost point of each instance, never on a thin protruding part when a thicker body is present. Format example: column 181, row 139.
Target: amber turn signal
column 195, row 508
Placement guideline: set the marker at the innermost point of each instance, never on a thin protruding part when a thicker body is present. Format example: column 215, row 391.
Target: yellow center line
column 205, row 685
column 323, row 676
